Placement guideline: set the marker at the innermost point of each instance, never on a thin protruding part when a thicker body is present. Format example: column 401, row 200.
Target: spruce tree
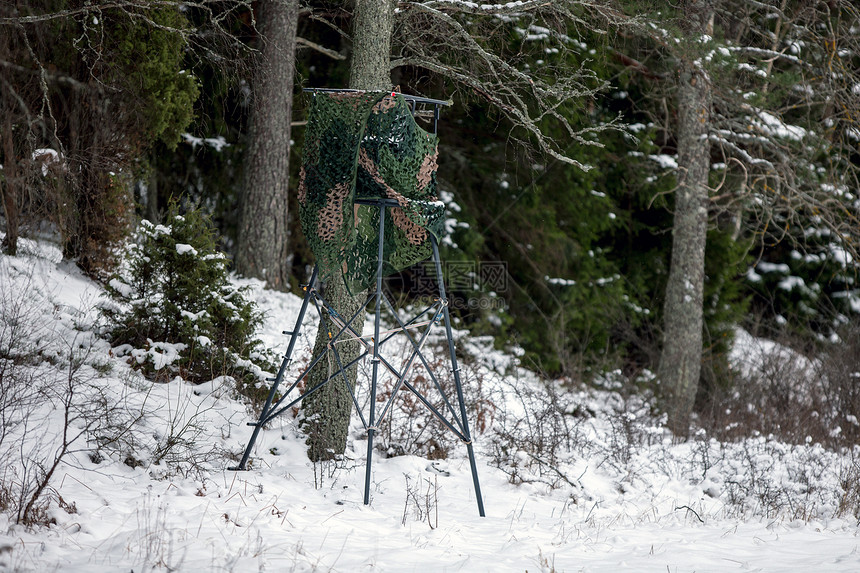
column 173, row 309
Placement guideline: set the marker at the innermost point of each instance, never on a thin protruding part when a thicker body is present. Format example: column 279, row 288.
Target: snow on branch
column 482, row 8
column 741, row 153
column 765, row 53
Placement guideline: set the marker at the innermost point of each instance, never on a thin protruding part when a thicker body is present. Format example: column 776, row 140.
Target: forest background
column 567, row 161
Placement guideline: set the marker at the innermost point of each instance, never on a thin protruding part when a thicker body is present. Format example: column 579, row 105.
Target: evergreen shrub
column 174, row 311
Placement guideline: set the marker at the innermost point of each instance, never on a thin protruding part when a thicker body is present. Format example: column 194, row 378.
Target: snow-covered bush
column 536, row 434
column 174, row 311
column 22, row 384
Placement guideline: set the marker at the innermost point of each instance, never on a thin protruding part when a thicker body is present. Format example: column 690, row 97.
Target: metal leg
column 371, row 428
column 456, row 371
column 284, row 363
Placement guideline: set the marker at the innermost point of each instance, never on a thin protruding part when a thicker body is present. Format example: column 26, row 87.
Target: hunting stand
column 368, row 184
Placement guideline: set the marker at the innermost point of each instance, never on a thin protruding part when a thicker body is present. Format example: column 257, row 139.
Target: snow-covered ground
column 149, row 490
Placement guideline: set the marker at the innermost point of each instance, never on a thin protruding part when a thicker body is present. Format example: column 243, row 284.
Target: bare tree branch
column 321, row 49
column 434, row 38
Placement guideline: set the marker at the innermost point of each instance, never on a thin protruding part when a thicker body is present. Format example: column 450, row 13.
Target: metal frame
column 454, row 420
column 437, row 103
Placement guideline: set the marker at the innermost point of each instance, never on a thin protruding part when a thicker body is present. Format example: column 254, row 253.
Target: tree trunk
column 327, row 412
column 102, row 203
column 150, row 211
column 8, row 191
column 371, row 49
column 681, row 359
column 261, row 249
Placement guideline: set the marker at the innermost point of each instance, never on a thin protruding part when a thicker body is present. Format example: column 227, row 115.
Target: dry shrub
column 849, row 484
column 422, row 500
column 411, row 427
column 793, row 396
column 775, row 391
column 532, row 441
column 765, row 477
column 840, row 377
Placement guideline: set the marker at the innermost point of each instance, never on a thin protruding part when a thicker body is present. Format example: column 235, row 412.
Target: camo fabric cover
column 367, row 145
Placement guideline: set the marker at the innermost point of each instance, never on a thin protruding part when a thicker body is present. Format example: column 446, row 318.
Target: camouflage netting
column 367, row 145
